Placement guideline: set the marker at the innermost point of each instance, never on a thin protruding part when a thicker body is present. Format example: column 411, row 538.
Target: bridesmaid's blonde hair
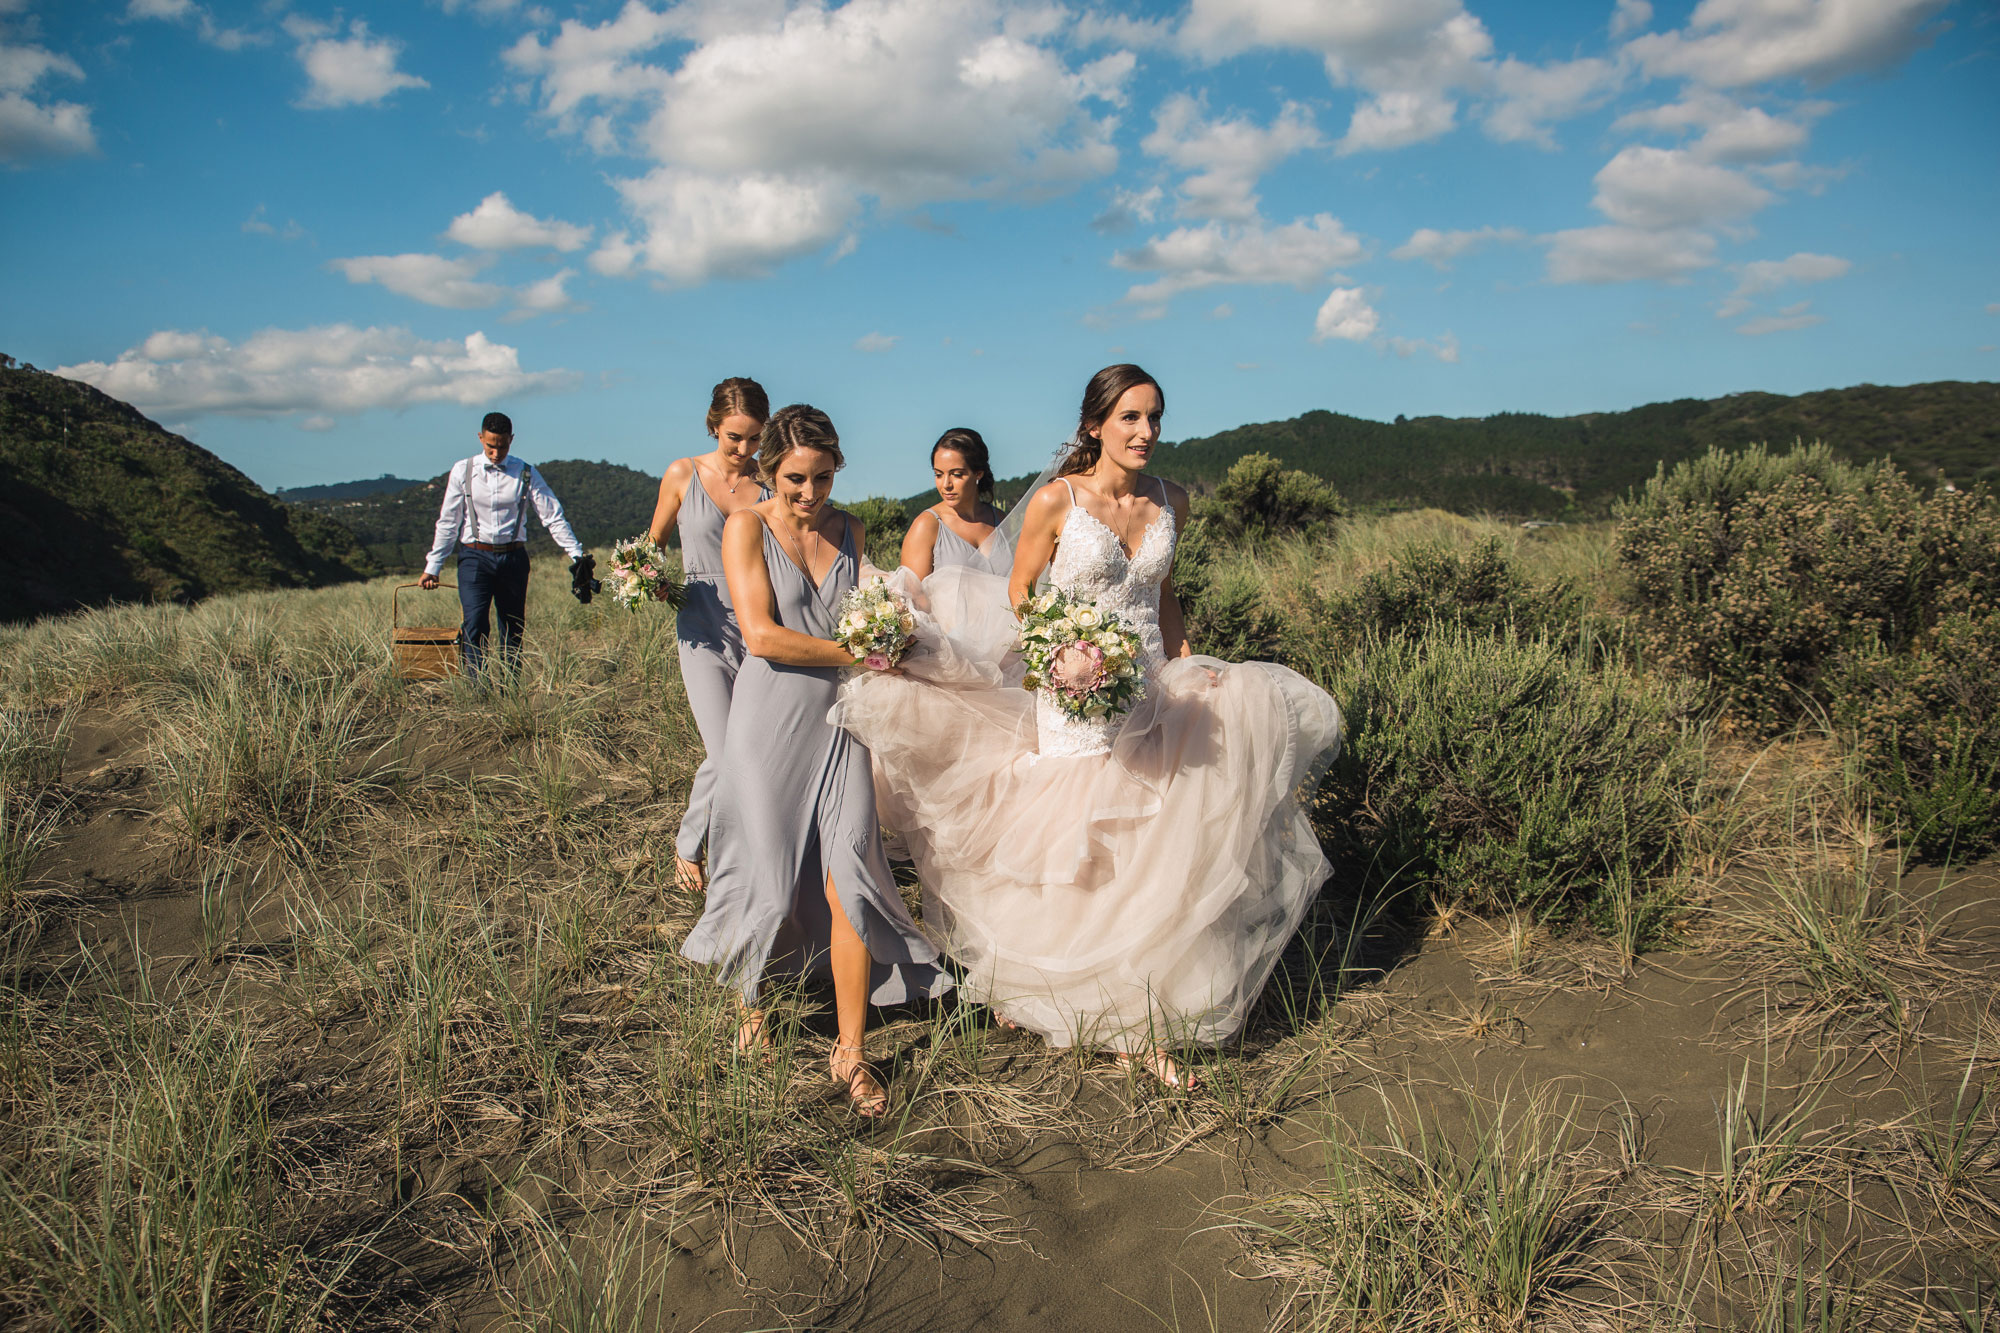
column 800, row 426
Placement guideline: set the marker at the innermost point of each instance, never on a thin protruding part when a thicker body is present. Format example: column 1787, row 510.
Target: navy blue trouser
column 497, row 580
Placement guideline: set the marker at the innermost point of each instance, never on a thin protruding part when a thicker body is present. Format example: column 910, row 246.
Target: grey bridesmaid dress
column 995, row 557
column 794, row 801
column 711, row 650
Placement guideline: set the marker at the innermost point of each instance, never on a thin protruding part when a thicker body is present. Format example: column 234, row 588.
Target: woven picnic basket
column 422, row 652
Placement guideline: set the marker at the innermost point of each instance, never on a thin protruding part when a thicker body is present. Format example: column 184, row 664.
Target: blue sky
column 323, row 240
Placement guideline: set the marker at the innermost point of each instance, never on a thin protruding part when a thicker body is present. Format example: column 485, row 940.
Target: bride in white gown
column 1125, row 883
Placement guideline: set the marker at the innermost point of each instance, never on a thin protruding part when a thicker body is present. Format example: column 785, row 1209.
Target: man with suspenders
column 485, row 515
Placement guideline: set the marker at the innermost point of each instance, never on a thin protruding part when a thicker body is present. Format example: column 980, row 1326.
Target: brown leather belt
column 490, row 548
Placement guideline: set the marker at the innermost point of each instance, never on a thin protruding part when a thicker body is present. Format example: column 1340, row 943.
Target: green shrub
column 1927, row 725
column 886, row 523
column 1753, row 570
column 1224, row 605
column 1476, row 588
column 1260, row 497
column 1508, row 773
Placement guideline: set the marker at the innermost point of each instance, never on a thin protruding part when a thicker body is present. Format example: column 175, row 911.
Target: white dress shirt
column 488, row 502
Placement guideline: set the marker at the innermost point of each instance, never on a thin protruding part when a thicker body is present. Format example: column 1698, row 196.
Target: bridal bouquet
column 875, row 625
column 639, row 574
column 1087, row 659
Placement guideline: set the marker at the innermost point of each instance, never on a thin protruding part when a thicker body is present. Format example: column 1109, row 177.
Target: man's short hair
column 497, row 423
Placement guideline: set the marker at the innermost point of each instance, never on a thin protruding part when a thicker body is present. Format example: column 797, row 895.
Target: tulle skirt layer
column 1118, row 900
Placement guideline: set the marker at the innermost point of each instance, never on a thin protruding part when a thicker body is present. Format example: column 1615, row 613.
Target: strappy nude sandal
column 865, row 1094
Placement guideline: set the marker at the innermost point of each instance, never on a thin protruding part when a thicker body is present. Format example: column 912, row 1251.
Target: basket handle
column 395, row 613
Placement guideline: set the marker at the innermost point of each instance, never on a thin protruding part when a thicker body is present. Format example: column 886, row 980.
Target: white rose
column 1086, row 617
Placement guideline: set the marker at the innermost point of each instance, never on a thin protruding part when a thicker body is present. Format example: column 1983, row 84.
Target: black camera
column 580, row 581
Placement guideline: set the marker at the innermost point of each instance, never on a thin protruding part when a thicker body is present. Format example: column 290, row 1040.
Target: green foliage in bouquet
column 1926, row 726
column 1753, row 571
column 1508, row 773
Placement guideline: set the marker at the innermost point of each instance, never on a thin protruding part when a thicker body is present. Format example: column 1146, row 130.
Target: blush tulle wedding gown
column 1123, row 883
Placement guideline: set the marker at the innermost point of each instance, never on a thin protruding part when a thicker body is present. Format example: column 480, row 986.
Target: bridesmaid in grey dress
column 964, row 527
column 697, row 495
column 797, row 878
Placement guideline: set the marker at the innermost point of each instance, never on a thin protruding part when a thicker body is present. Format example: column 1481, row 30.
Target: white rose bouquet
column 875, row 625
column 640, row 573
column 1087, row 659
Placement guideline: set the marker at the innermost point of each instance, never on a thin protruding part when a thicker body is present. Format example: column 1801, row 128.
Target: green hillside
column 99, row 504
column 346, row 490
column 1529, row 465
column 1532, row 465
column 604, row 503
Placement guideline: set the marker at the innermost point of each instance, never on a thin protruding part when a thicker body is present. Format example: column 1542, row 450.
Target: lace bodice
column 1090, row 563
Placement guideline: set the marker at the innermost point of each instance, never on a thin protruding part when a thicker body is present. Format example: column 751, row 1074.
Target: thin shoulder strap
column 1161, row 483
column 1071, row 489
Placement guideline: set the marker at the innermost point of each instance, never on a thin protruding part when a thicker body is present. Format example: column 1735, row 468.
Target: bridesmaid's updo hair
column 799, row 426
column 965, row 442
column 737, row 396
column 1100, row 399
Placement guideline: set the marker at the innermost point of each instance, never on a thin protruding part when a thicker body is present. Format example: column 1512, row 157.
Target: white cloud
column 1530, row 96
column 1627, row 254
column 699, row 226
column 1444, row 347
column 497, row 225
column 258, row 225
column 329, row 371
column 1398, row 118
column 1730, row 131
column 357, row 71
column 783, row 124
column 1737, row 43
column 1128, row 208
column 1767, row 275
column 1227, row 156
column 1297, row 254
column 546, row 297
column 1670, row 187
column 432, row 279
column 1345, row 314
column 1440, row 248
column 1630, row 16
column 182, row 11
column 876, row 342
column 1791, row 317
column 31, row 129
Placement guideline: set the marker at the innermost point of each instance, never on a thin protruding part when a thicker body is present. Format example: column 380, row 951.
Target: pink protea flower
column 877, row 662
column 1077, row 668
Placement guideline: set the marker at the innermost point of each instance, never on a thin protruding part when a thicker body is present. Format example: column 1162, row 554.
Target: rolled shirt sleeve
column 551, row 512
column 451, row 520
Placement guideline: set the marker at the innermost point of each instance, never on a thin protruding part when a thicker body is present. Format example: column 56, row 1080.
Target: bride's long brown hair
column 1100, row 399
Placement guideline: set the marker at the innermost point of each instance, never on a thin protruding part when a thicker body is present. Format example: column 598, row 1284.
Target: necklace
column 804, row 564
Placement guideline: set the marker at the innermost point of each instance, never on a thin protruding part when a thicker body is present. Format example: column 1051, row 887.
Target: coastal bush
column 1926, row 725
column 886, row 523
column 1427, row 584
column 1510, row 773
column 1753, row 571
column 1260, row 497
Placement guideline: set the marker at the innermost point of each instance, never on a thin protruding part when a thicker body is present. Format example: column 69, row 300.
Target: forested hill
column 99, row 504
column 346, row 490
column 604, row 502
column 1527, row 464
